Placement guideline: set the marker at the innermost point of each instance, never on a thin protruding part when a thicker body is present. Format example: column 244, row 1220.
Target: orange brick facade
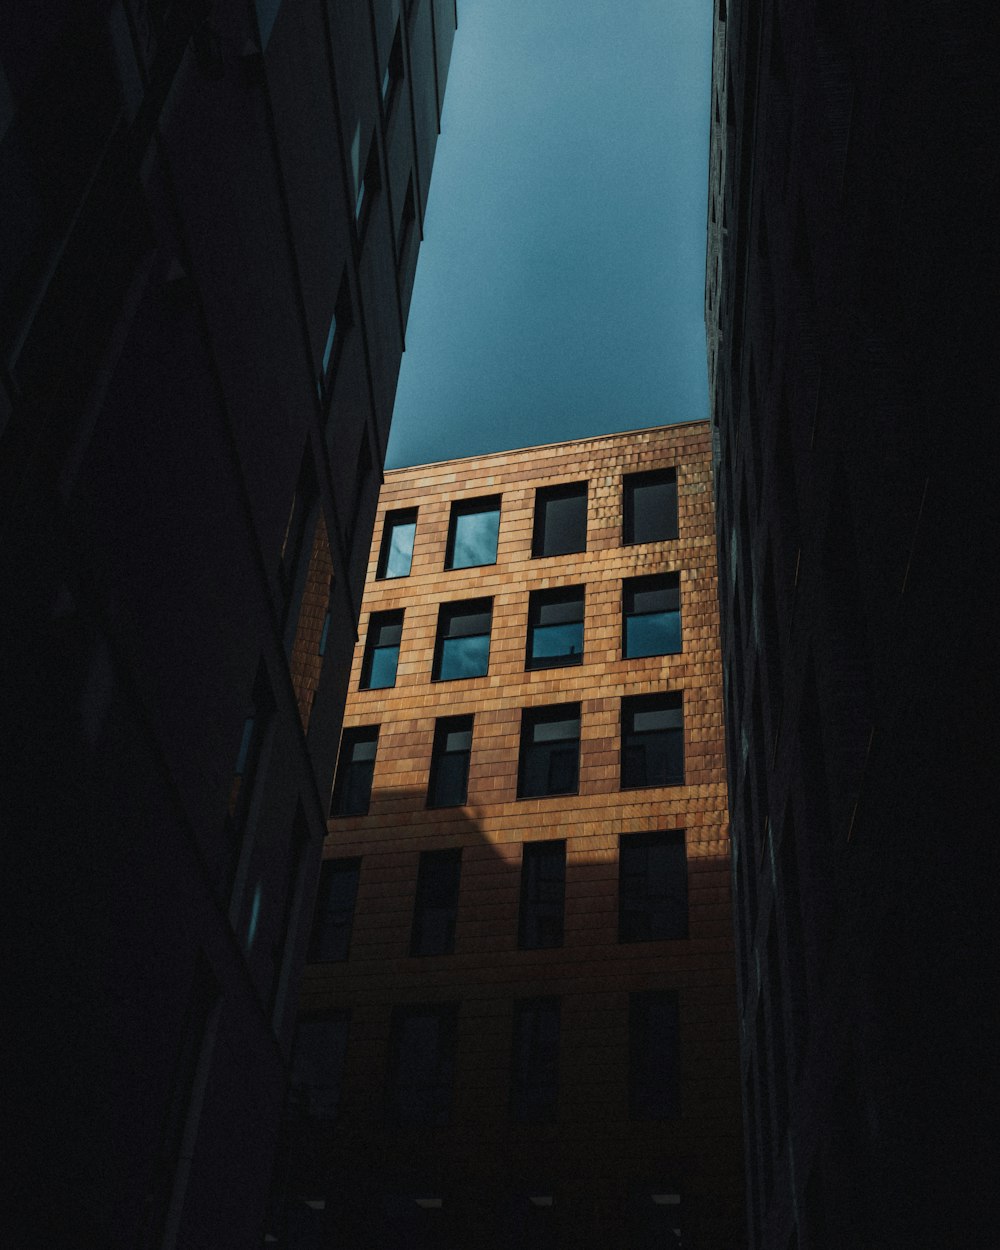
column 593, row 1161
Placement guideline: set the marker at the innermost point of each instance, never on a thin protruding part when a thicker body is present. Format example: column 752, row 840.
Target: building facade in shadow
column 211, row 215
column 518, row 1021
column 851, row 230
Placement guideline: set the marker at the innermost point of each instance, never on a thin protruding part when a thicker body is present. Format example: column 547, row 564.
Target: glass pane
column 557, row 641
column 654, row 510
column 657, row 633
column 363, row 750
column 383, row 668
column 475, row 539
column 458, row 740
column 651, row 720
column 652, row 598
column 450, row 781
column 388, row 632
column 401, row 549
column 551, row 730
column 459, row 624
column 357, row 790
column 559, row 611
column 464, row 657
column 563, row 524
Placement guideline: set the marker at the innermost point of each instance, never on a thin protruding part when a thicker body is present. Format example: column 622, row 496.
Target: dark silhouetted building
column 852, row 226
column 518, row 1024
column 211, row 214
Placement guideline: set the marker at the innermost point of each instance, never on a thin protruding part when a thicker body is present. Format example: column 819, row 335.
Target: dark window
column 653, row 1055
column 449, row 779
column 473, row 532
column 650, row 506
column 543, row 892
column 396, row 554
column 651, row 608
column 355, row 769
column 652, row 887
column 333, row 918
column 245, row 773
column 340, row 323
column 378, row 671
column 652, row 740
column 370, row 183
column 560, row 520
column 421, row 1063
column 407, row 221
column 555, row 628
column 318, row 1065
column 550, row 751
column 436, row 904
column 393, row 73
column 534, row 1064
column 463, row 640
column 293, row 547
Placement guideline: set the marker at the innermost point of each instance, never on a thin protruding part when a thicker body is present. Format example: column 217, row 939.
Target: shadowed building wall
column 588, row 1095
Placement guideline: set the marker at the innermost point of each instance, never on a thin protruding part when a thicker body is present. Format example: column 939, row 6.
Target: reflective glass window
column 449, row 778
column 652, row 740
column 355, row 770
column 650, row 506
column 378, row 670
column 473, row 533
column 560, row 520
column 555, row 628
column 463, row 640
column 651, row 608
column 550, row 751
column 396, row 554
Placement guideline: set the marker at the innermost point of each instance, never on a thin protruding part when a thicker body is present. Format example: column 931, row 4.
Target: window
column 340, row 323
column 378, row 671
column 333, row 919
column 437, row 903
column 393, row 74
column 463, row 640
column 421, row 1063
column 650, row 507
column 472, row 534
column 560, row 520
column 318, row 1065
column 247, row 769
column 352, row 790
column 449, row 779
column 555, row 628
column 543, row 892
column 652, row 887
column 535, row 1060
column 653, row 1055
column 293, row 546
column 396, row 554
column 651, row 608
column 370, row 181
column 550, row 751
column 652, row 740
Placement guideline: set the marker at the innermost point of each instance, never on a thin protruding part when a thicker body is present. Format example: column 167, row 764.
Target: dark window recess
column 652, row 887
column 352, row 790
column 392, row 76
column 378, row 671
column 247, row 768
column 369, row 184
column 463, row 640
column 534, row 1068
column 436, row 905
column 656, row 1221
column 421, row 1063
column 473, row 533
column 654, row 1049
column 293, row 546
column 550, row 751
column 396, row 553
column 333, row 919
column 652, row 740
column 555, row 628
column 340, row 323
column 449, row 778
column 651, row 609
column 560, row 520
column 318, row 1065
column 543, row 894
column 650, row 506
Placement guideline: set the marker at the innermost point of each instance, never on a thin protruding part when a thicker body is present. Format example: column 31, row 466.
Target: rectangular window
column 422, row 1063
column 352, row 790
column 436, row 905
column 650, row 507
column 396, row 554
column 550, row 751
column 534, row 1064
column 654, row 1050
column 652, row 740
column 652, row 887
column 333, row 918
column 473, row 533
column 651, row 616
column 555, row 628
column 463, row 640
column 318, row 1065
column 543, row 893
column 560, row 520
column 449, row 779
column 378, row 671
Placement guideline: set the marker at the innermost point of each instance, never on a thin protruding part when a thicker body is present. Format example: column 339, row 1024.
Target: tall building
column 852, row 222
column 211, row 215
column 518, row 1018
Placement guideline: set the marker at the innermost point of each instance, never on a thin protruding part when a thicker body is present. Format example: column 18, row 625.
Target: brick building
column 851, row 233
column 211, row 214
column 518, row 1021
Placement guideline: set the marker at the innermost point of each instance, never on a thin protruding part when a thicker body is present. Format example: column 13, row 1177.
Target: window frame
column 632, row 585
column 531, row 718
column 379, row 621
column 549, row 494
column 471, row 507
column 649, row 477
column 447, row 613
column 537, row 601
column 443, row 727
column 398, row 518
column 667, row 700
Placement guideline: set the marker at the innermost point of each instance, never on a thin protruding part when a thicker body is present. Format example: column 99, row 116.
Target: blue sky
column 560, row 287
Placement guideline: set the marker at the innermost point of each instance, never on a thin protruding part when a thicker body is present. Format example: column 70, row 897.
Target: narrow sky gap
column 559, row 292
